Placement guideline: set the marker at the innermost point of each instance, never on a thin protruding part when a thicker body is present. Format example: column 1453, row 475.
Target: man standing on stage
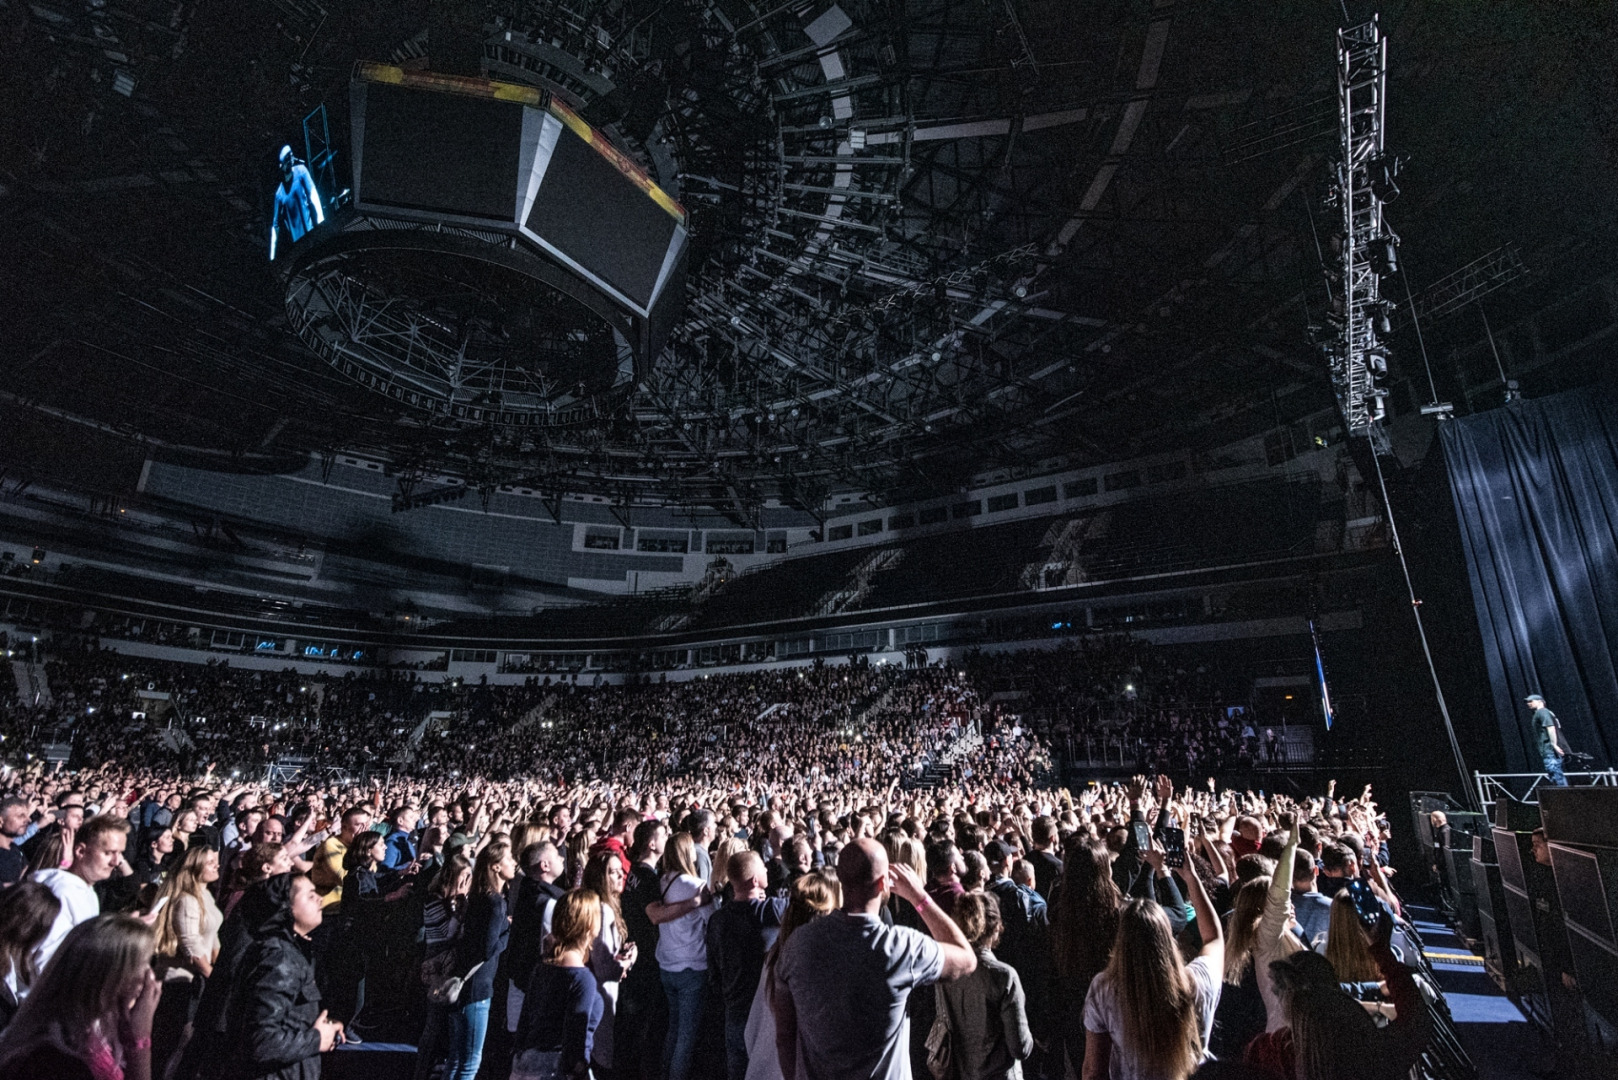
column 1551, row 749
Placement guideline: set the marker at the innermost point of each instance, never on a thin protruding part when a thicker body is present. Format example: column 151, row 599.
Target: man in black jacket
column 642, row 1007
column 739, row 934
column 536, row 892
column 276, row 1027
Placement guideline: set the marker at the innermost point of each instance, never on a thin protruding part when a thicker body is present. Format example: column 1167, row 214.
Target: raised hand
column 137, row 1018
column 906, row 884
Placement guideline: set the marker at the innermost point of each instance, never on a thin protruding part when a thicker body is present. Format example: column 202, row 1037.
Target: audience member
column 684, row 906
column 484, row 932
column 275, row 1028
column 842, row 981
column 985, row 1013
column 739, row 935
column 89, row 1014
column 1149, row 1009
column 187, row 943
column 98, row 849
column 562, row 1005
column 27, row 911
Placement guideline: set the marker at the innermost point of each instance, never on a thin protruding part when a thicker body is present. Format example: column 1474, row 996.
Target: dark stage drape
column 1536, row 492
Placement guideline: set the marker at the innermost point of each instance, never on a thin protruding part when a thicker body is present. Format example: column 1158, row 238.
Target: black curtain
column 1536, row 492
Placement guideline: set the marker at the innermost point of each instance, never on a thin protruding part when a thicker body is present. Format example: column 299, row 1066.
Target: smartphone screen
column 1173, row 841
column 1366, row 905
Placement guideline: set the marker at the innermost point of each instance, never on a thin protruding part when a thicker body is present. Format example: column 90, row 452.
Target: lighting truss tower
column 1359, row 360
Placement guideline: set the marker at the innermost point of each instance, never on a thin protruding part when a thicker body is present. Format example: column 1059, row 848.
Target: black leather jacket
column 270, row 1026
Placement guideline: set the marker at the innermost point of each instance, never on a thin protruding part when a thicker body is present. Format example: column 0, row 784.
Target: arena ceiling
column 930, row 238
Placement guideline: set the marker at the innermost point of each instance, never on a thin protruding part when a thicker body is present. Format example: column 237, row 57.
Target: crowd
column 531, row 929
column 1112, row 697
column 846, row 871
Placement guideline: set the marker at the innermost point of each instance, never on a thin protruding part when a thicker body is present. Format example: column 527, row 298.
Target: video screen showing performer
column 297, row 201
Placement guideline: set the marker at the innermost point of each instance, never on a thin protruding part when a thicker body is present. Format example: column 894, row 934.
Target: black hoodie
column 270, row 1019
column 207, row 1054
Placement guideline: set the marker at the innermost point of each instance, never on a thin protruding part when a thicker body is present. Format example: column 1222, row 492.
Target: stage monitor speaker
column 1511, row 849
column 1587, row 885
column 1586, row 816
column 1499, row 950
column 1516, row 816
column 1463, row 896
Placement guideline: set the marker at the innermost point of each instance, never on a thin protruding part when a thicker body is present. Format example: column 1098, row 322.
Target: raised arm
column 959, row 959
column 1213, row 934
column 1278, row 902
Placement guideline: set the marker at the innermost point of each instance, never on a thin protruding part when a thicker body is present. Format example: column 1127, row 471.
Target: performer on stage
column 1550, row 746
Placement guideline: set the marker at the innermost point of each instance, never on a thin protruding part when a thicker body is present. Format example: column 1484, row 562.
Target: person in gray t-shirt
column 842, row 981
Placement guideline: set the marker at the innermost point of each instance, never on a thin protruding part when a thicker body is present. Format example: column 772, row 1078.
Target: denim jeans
column 468, row 1024
column 1553, row 769
column 685, row 990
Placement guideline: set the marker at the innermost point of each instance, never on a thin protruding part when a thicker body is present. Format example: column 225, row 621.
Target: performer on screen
column 1546, row 738
column 297, row 202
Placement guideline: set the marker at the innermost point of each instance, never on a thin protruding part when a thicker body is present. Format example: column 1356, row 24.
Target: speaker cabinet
column 1587, row 885
column 1499, row 950
column 1514, row 816
column 1585, row 816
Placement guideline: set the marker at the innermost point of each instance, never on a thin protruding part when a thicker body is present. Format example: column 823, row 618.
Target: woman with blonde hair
column 89, row 1016
column 562, row 1007
column 184, row 825
column 187, row 945
column 682, row 951
column 905, row 850
column 1347, row 947
column 730, row 845
column 1149, row 1008
column 612, row 954
column 811, row 896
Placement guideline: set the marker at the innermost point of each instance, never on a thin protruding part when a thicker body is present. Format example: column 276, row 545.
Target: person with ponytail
column 1148, row 1015
column 561, row 1005
column 986, row 1011
column 809, row 897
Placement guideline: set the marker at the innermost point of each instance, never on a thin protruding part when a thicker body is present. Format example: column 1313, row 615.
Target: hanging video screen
column 446, row 152
column 593, row 213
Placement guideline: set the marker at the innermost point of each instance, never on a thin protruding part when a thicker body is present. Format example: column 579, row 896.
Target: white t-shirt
column 1102, row 1016
column 682, row 944
column 79, row 904
column 849, row 977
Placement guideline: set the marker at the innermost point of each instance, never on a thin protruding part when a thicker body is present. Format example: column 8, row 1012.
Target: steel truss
column 1359, row 364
